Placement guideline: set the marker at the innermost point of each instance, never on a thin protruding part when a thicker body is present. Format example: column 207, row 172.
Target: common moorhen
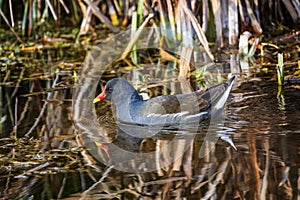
column 129, row 107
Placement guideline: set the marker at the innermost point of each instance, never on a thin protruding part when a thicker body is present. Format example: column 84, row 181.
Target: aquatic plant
column 280, row 69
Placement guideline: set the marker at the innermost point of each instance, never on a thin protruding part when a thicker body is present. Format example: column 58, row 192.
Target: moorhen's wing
column 170, row 109
column 192, row 107
column 157, row 111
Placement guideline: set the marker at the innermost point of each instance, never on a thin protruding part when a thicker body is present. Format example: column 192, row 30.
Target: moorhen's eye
column 110, row 90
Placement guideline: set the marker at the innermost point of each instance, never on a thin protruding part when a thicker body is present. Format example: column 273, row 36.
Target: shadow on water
column 80, row 152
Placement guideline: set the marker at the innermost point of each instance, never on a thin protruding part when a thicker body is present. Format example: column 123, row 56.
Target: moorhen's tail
column 218, row 95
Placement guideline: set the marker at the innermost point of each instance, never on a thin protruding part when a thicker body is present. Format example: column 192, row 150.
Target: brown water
column 263, row 127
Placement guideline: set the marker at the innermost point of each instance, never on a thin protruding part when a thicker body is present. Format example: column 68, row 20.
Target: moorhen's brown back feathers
column 193, row 103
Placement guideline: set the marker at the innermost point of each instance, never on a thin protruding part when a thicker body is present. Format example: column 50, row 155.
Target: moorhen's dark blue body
column 129, row 107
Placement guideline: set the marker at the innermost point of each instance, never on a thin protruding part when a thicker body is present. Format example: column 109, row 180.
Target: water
column 263, row 126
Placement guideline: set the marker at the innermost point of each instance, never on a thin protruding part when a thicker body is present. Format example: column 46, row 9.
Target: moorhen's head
column 116, row 90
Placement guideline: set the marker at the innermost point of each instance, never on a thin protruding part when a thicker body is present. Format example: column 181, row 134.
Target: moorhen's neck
column 123, row 95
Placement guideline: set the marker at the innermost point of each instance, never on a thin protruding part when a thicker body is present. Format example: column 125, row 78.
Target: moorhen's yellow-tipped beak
column 101, row 96
column 96, row 100
column 104, row 147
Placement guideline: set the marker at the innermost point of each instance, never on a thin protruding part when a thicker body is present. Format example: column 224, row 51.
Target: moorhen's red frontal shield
column 101, row 96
